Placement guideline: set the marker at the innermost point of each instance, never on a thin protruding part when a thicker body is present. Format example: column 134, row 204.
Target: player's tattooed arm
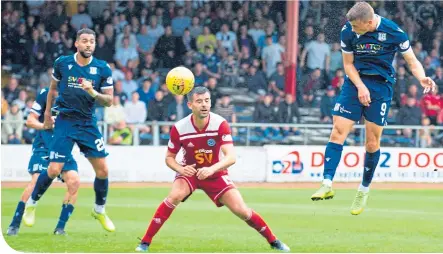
column 104, row 98
column 419, row 73
column 49, row 121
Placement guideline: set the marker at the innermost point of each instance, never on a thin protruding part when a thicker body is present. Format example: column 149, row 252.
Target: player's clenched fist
column 188, row 170
column 204, row 173
column 86, row 85
column 364, row 96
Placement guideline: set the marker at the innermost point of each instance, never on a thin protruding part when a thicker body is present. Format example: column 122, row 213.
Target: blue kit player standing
column 369, row 44
column 81, row 80
column 39, row 162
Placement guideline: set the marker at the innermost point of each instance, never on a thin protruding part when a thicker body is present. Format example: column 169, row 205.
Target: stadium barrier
column 271, row 163
column 309, row 134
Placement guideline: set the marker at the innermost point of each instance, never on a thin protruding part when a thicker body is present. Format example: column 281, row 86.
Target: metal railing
column 308, row 134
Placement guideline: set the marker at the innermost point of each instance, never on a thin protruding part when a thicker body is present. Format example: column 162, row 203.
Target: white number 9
column 383, row 109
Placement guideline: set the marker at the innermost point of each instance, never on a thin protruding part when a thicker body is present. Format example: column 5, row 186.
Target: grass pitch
column 395, row 221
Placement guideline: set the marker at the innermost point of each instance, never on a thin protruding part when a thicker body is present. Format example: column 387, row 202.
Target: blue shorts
column 349, row 106
column 40, row 161
column 70, row 131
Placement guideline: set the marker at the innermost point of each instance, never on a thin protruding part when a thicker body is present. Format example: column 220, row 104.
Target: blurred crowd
column 228, row 45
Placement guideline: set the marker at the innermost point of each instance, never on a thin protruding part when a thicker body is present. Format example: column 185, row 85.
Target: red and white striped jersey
column 203, row 147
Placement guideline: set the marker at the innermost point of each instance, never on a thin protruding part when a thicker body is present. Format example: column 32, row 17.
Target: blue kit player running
column 39, row 162
column 81, row 80
column 369, row 44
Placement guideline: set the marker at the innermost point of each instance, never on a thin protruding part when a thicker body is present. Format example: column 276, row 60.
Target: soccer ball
column 180, row 80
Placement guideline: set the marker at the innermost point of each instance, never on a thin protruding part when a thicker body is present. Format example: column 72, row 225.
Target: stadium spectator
column 114, row 114
column 21, row 100
column 56, row 20
column 124, row 54
column 211, row 63
column 225, row 108
column 277, row 81
column 431, row 106
column 425, row 138
column 12, row 130
column 146, row 94
column 327, row 105
column 196, row 29
column 81, row 18
column 271, row 55
column 12, row 91
column 180, row 23
column 227, row 39
column 104, row 50
column 206, row 39
column 412, row 92
column 316, row 55
column 336, row 59
column 128, row 84
column 158, row 108
column 229, row 70
column 311, row 83
column 438, row 78
column 178, row 109
column 410, row 114
column 122, row 135
column 255, row 81
column 135, row 110
column 146, row 42
column 265, row 113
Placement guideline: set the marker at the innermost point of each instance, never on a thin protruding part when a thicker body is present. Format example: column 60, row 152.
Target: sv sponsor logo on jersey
column 202, row 155
column 75, row 82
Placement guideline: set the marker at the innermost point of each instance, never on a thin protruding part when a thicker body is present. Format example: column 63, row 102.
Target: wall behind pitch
column 132, row 164
column 254, row 164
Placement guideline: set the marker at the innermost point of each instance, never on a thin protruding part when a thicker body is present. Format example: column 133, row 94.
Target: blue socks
column 101, row 191
column 42, row 184
column 18, row 215
column 67, row 210
column 332, row 159
column 371, row 162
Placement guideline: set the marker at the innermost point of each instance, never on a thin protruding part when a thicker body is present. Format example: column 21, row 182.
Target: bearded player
column 81, row 81
column 39, row 162
column 202, row 136
column 369, row 44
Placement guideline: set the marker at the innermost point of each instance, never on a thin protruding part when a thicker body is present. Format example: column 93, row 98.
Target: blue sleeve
column 346, row 38
column 56, row 71
column 39, row 105
column 106, row 80
column 402, row 41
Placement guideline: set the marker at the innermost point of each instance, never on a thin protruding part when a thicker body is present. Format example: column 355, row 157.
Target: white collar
column 75, row 59
column 378, row 18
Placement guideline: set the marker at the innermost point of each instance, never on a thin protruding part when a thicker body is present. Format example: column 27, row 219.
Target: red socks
column 256, row 222
column 161, row 215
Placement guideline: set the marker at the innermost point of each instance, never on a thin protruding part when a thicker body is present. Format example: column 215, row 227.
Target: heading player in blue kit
column 81, row 80
column 39, row 162
column 369, row 43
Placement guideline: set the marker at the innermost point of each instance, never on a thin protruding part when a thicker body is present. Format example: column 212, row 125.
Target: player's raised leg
column 101, row 185
column 181, row 189
column 44, row 180
column 340, row 131
column 18, row 215
column 234, row 201
column 372, row 156
column 72, row 181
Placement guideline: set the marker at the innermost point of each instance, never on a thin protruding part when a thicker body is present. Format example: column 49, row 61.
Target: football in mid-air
column 180, row 80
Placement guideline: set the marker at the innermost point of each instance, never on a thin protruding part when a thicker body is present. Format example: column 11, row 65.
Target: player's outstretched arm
column 363, row 93
column 49, row 121
column 419, row 73
column 105, row 98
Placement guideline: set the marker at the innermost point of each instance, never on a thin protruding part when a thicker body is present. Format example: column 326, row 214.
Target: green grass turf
column 396, row 221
